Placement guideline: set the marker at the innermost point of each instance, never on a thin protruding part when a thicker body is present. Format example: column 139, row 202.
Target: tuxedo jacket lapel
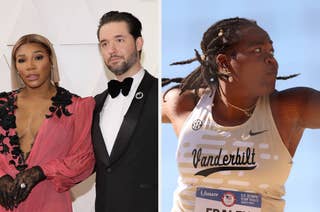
column 131, row 118
column 98, row 139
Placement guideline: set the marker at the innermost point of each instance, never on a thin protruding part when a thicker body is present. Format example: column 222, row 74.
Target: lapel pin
column 139, row 95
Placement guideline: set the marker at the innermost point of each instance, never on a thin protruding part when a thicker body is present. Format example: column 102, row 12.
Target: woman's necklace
column 247, row 111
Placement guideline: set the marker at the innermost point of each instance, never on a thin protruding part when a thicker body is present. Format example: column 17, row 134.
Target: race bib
column 216, row 200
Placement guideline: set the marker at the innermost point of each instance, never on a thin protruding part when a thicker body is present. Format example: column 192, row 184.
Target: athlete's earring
column 226, row 71
column 230, row 79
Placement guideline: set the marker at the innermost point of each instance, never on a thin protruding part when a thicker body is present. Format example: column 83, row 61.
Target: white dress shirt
column 114, row 109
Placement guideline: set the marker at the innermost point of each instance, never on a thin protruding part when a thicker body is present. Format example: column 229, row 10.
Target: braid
column 184, row 62
column 287, row 77
column 166, row 81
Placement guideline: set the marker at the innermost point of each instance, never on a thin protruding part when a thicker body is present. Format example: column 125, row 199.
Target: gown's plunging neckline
column 26, row 155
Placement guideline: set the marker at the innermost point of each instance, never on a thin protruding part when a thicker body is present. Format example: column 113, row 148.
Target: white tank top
column 250, row 157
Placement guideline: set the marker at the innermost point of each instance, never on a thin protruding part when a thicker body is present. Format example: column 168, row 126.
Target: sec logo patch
column 197, row 124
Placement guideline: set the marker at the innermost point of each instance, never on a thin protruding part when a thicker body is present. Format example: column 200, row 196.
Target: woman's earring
column 227, row 74
column 19, row 76
column 230, row 79
column 226, row 71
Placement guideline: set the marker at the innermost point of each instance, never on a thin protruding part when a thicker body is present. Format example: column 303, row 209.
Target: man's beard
column 125, row 65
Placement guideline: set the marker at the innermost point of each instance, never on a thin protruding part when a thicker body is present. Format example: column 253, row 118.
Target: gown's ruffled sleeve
column 79, row 162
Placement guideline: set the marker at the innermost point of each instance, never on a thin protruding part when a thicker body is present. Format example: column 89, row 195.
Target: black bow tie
column 115, row 86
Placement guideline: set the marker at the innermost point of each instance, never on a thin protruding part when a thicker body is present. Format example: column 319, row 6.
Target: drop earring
column 230, row 79
column 227, row 74
column 226, row 71
column 18, row 75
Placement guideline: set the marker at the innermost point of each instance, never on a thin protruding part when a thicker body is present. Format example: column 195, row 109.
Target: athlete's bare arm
column 294, row 110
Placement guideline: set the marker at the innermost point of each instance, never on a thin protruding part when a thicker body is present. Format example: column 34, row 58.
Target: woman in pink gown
column 45, row 140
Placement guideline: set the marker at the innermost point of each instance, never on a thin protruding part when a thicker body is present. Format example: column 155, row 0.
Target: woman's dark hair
column 219, row 38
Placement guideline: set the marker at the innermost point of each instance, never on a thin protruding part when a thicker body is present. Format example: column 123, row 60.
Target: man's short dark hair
column 134, row 24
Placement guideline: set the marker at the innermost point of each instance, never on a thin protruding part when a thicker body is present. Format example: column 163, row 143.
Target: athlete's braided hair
column 219, row 38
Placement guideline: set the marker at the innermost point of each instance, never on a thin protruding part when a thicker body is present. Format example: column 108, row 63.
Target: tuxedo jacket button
column 109, row 170
column 145, row 186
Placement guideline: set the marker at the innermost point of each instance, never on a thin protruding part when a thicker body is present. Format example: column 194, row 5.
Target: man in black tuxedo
column 125, row 126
